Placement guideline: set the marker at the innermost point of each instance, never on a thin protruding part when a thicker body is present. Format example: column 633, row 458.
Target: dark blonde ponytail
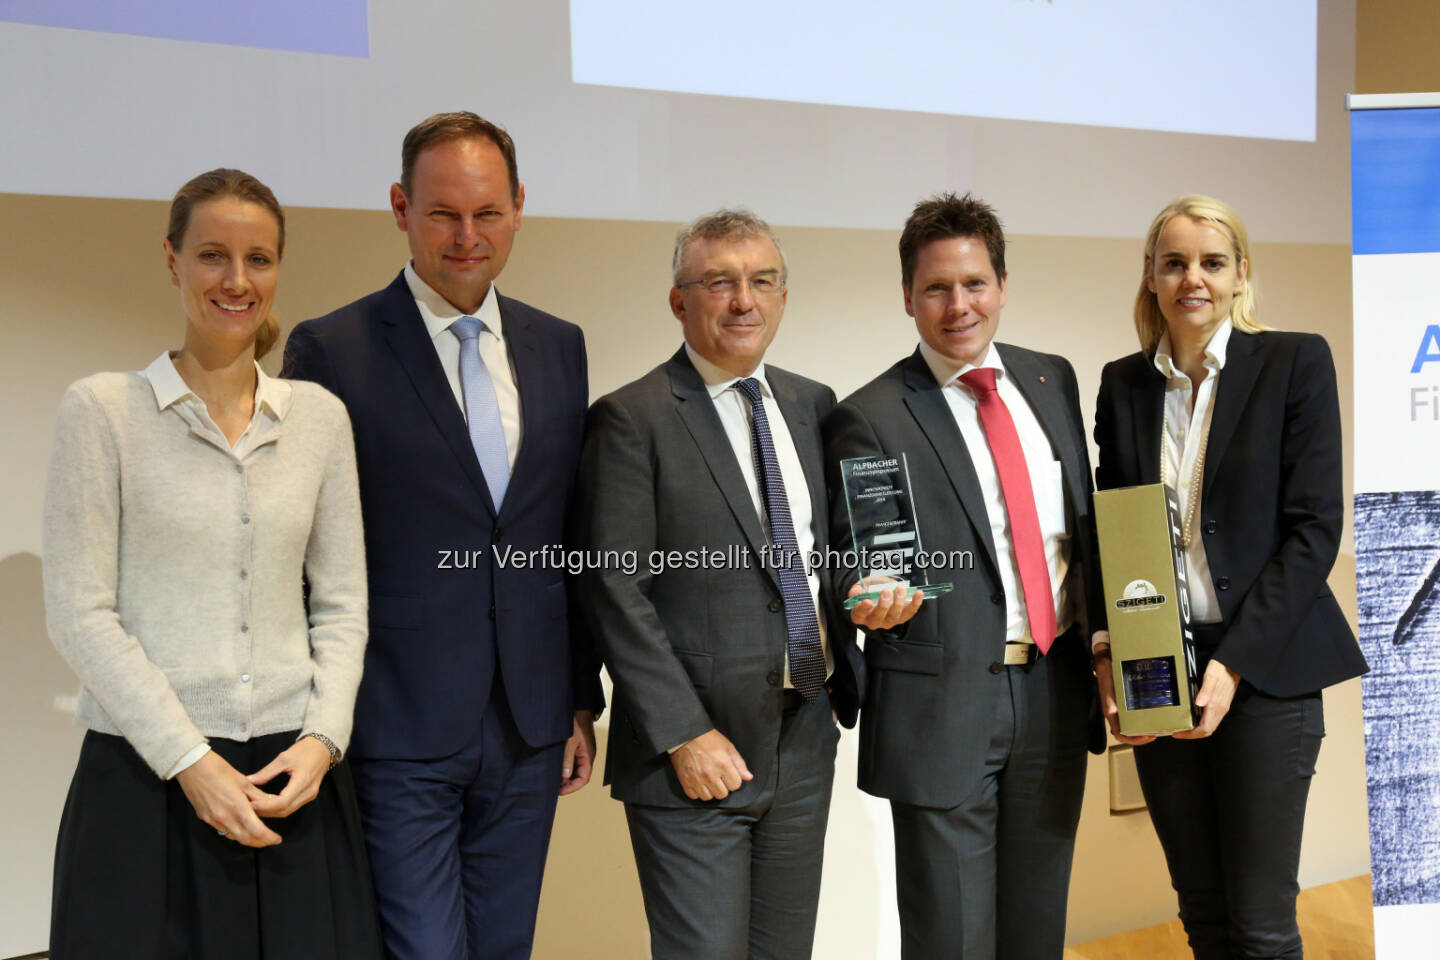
column 266, row 336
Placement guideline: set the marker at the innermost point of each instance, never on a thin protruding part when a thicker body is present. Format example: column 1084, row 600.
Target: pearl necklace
column 1192, row 503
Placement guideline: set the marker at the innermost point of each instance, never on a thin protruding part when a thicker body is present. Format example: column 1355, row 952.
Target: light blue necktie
column 482, row 409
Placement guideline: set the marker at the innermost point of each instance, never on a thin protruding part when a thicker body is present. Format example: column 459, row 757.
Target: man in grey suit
column 730, row 660
column 996, row 676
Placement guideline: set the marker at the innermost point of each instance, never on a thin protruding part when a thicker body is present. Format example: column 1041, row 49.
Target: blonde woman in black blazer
column 1244, row 422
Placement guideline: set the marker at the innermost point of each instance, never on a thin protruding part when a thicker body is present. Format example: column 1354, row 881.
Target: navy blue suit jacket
column 445, row 614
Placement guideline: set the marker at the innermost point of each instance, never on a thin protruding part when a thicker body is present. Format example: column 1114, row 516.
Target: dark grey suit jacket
column 690, row 647
column 930, row 698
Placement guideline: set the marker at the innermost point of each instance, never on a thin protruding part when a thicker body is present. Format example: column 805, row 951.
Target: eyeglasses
column 762, row 285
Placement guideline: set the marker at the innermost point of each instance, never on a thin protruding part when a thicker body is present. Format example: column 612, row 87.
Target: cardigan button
column 1223, row 583
column 244, row 518
column 776, row 606
column 1211, row 526
column 774, row 677
column 244, row 678
column 997, row 598
column 997, row 667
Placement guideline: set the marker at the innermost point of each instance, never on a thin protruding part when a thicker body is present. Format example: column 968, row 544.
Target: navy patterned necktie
column 807, row 659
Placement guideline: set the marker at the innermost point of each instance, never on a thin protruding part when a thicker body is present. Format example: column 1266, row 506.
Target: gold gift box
column 1152, row 650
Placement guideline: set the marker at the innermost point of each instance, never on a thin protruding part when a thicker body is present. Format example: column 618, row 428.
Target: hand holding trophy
column 888, row 553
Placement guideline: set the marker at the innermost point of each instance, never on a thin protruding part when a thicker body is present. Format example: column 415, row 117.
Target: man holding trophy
column 978, row 711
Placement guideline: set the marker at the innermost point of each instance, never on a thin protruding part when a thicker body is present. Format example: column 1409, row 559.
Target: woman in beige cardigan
column 188, row 507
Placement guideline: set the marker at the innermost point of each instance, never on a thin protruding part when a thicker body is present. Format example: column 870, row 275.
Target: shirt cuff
column 188, row 761
column 1099, row 637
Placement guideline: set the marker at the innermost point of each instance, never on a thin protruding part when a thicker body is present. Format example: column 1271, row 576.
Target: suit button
column 1211, row 526
column 776, row 606
column 997, row 667
column 1223, row 583
column 997, row 598
column 773, row 678
column 496, row 535
column 492, row 612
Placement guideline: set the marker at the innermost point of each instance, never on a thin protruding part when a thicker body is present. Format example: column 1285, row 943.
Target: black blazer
column 444, row 615
column 694, row 646
column 931, row 695
column 1271, row 508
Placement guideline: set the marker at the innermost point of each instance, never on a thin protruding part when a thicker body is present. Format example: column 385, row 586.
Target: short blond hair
column 1149, row 321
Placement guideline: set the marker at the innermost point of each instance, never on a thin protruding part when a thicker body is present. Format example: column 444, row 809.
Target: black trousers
column 1229, row 811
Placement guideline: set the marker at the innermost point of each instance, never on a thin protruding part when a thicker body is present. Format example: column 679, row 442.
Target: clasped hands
column 233, row 803
column 1217, row 691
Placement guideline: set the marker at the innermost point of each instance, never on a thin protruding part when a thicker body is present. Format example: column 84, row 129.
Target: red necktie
column 1025, row 537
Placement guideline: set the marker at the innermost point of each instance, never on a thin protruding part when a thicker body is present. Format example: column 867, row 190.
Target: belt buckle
column 1020, row 654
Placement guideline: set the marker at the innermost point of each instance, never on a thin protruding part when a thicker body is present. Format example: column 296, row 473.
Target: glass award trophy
column 887, row 547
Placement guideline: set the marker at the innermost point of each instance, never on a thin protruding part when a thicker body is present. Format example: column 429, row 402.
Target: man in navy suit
column 480, row 692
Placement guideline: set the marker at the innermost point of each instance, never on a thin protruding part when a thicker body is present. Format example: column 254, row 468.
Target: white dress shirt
column 438, row 313
column 1046, row 481
column 1188, row 413
column 272, row 399
column 734, row 411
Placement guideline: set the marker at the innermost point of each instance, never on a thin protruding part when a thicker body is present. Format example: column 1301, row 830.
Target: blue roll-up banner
column 1395, row 190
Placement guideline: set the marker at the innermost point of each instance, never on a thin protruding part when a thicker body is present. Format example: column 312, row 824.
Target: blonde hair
column 214, row 185
column 1149, row 321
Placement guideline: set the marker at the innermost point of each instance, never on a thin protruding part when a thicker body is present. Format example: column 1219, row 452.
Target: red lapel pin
column 1042, row 379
